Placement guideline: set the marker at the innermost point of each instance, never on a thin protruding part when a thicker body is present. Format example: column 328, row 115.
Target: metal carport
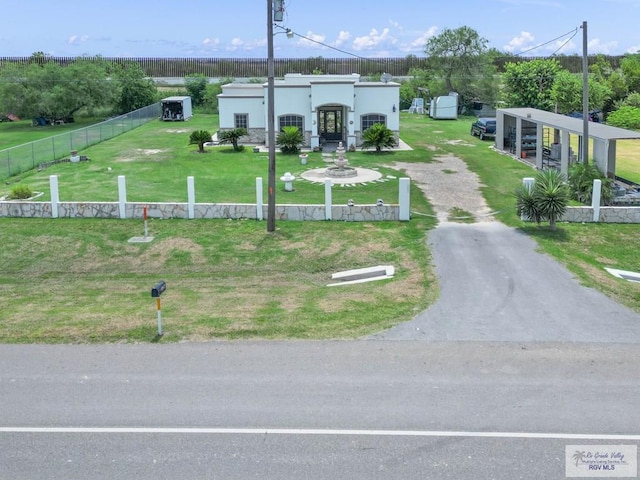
column 526, row 126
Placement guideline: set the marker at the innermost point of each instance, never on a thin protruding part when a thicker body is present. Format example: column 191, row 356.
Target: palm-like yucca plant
column 199, row 137
column 232, row 136
column 552, row 194
column 546, row 200
column 526, row 205
column 290, row 139
column 378, row 136
column 581, row 179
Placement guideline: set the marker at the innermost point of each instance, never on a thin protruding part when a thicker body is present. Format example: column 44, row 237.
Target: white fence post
column 328, row 199
column 595, row 199
column 404, row 196
column 191, row 197
column 122, row 196
column 55, row 195
column 528, row 182
column 259, row 204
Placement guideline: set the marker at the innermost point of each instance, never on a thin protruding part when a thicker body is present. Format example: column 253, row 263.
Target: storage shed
column 176, row 109
column 444, row 107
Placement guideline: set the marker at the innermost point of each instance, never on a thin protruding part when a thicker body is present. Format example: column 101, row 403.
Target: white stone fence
column 596, row 212
column 192, row 210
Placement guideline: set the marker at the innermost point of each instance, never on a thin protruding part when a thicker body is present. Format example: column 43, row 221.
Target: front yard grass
column 79, row 281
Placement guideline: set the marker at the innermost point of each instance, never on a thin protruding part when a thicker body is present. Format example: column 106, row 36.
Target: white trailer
column 444, row 107
column 176, row 109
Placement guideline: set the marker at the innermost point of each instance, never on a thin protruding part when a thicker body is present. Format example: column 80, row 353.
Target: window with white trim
column 291, row 121
column 241, row 120
column 367, row 121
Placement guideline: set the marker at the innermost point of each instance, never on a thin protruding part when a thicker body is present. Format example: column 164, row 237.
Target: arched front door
column 330, row 124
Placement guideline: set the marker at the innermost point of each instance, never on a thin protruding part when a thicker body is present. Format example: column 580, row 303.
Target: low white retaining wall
column 606, row 215
column 357, row 213
column 596, row 212
column 191, row 210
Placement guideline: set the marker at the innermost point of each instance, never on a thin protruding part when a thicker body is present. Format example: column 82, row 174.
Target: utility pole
column 585, row 98
column 271, row 135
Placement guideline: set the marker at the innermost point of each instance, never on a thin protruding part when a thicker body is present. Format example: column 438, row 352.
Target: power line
column 575, row 31
column 291, row 32
column 567, row 41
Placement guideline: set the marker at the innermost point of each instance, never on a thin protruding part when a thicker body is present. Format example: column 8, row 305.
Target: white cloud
column 373, row 40
column 312, row 40
column 211, row 42
column 520, row 43
column 422, row 39
column 244, row 45
column 342, row 38
column 77, row 39
column 236, row 44
column 635, row 49
column 563, row 47
column 395, row 24
column 597, row 46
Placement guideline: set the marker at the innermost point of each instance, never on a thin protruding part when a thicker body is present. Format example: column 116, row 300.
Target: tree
column 232, row 136
column 630, row 66
column 378, row 136
column 567, row 92
column 409, row 89
column 625, row 117
column 134, row 89
column 199, row 137
column 44, row 88
column 632, row 100
column 210, row 102
column 529, row 84
column 196, row 86
column 461, row 59
column 602, row 71
column 546, row 200
column 290, row 139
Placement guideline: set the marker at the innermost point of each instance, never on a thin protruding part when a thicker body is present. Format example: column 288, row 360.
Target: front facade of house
column 326, row 108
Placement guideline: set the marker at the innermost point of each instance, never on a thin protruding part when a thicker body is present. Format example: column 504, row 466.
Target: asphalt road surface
column 515, row 362
column 360, row 409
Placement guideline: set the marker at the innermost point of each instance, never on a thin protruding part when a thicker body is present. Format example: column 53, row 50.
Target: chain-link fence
column 16, row 160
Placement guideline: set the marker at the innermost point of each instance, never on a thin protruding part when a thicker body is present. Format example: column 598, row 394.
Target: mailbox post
column 156, row 291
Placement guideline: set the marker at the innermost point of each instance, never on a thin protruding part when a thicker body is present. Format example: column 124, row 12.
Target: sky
column 364, row 28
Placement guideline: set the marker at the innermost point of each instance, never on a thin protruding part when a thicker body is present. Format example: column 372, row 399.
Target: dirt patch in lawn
column 139, row 153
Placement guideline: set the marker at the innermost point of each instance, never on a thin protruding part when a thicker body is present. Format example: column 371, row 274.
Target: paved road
column 357, row 409
column 516, row 361
column 494, row 286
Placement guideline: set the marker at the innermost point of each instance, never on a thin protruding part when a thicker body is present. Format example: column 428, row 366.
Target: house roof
column 571, row 124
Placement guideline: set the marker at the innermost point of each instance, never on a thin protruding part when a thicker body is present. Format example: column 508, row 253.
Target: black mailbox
column 158, row 288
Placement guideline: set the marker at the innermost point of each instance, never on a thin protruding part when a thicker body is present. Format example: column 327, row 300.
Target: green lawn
column 21, row 132
column 156, row 160
column 74, row 280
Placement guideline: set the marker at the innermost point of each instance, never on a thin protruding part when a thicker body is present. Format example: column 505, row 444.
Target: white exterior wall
column 304, row 95
column 292, row 101
column 332, row 93
column 378, row 99
column 229, row 106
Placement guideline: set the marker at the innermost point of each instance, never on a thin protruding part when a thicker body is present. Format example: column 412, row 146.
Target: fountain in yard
column 340, row 172
column 340, row 168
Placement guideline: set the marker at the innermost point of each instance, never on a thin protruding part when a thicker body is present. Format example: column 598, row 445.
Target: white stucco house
column 326, row 108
